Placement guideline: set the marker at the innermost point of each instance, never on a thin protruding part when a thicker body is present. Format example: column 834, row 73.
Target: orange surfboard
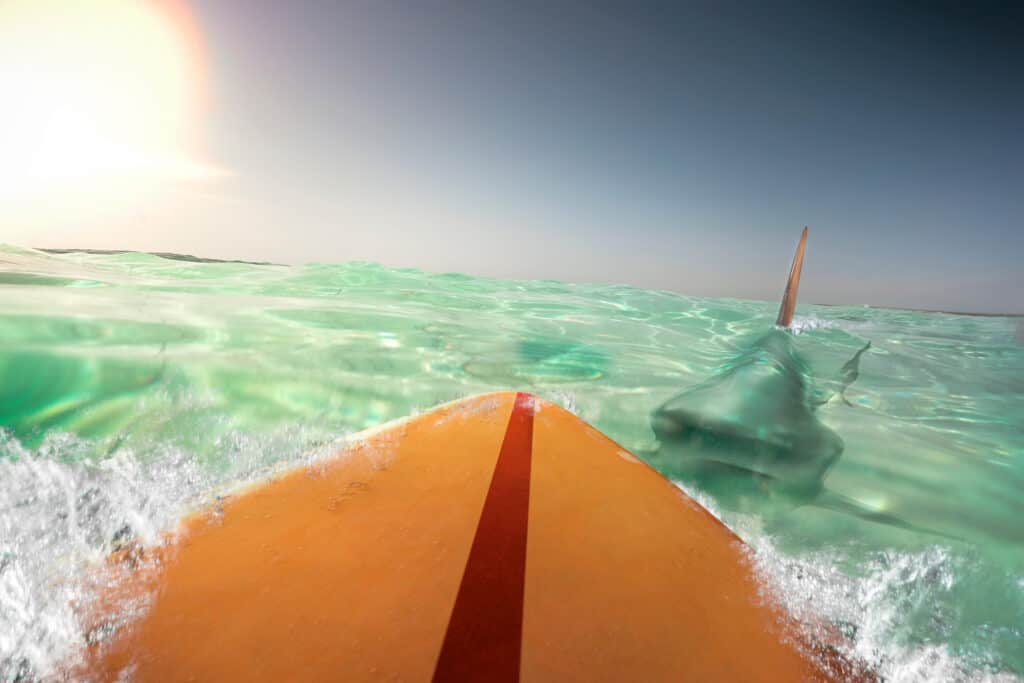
column 497, row 538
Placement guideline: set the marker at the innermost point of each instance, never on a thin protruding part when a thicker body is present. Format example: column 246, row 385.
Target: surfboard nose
column 496, row 538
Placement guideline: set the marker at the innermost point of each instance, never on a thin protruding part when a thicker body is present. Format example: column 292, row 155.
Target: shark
column 750, row 435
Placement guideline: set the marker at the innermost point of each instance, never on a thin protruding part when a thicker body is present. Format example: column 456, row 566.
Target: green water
column 133, row 385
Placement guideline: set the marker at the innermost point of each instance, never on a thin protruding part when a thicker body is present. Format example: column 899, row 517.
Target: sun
column 97, row 89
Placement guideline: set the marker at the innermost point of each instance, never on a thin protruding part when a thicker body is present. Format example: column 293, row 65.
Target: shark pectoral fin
column 785, row 318
column 852, row 367
column 837, row 502
column 850, row 373
column 847, row 376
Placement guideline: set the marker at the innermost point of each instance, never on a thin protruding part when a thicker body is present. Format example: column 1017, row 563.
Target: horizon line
column 174, row 256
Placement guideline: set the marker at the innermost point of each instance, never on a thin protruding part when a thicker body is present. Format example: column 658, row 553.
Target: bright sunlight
column 97, row 91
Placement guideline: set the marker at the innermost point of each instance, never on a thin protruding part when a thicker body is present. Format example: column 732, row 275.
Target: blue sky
column 672, row 145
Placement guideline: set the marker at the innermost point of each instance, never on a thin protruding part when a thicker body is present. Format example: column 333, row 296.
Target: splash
column 874, row 600
column 802, row 323
column 64, row 515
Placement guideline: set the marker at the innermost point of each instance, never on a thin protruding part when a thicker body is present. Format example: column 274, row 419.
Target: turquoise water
column 133, row 387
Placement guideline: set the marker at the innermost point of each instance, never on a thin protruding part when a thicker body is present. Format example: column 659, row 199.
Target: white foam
column 62, row 516
column 870, row 605
column 807, row 323
column 564, row 399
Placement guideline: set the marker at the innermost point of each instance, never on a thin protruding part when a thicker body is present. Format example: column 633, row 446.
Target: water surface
column 134, row 386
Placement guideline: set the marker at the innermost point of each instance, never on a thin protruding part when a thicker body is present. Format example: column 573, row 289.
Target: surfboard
column 496, row 538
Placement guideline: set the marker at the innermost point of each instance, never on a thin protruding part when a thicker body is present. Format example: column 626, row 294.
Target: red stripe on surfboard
column 486, row 627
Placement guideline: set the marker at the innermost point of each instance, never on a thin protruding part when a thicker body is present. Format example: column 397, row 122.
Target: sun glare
column 96, row 90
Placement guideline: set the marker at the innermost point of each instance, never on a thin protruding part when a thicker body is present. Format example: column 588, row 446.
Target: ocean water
column 134, row 387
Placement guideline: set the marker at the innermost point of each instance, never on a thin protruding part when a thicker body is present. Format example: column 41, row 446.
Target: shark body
column 752, row 429
column 750, row 435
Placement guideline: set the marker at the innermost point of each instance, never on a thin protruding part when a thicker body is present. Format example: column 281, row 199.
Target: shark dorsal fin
column 789, row 297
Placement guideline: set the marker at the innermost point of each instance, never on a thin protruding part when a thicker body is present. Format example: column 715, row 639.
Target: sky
column 676, row 145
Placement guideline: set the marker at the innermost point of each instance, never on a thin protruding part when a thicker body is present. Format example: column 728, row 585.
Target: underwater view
column 874, row 457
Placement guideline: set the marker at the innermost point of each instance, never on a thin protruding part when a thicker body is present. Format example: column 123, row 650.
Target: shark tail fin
column 792, row 284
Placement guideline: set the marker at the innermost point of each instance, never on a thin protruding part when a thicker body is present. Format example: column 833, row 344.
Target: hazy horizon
column 676, row 146
column 209, row 259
